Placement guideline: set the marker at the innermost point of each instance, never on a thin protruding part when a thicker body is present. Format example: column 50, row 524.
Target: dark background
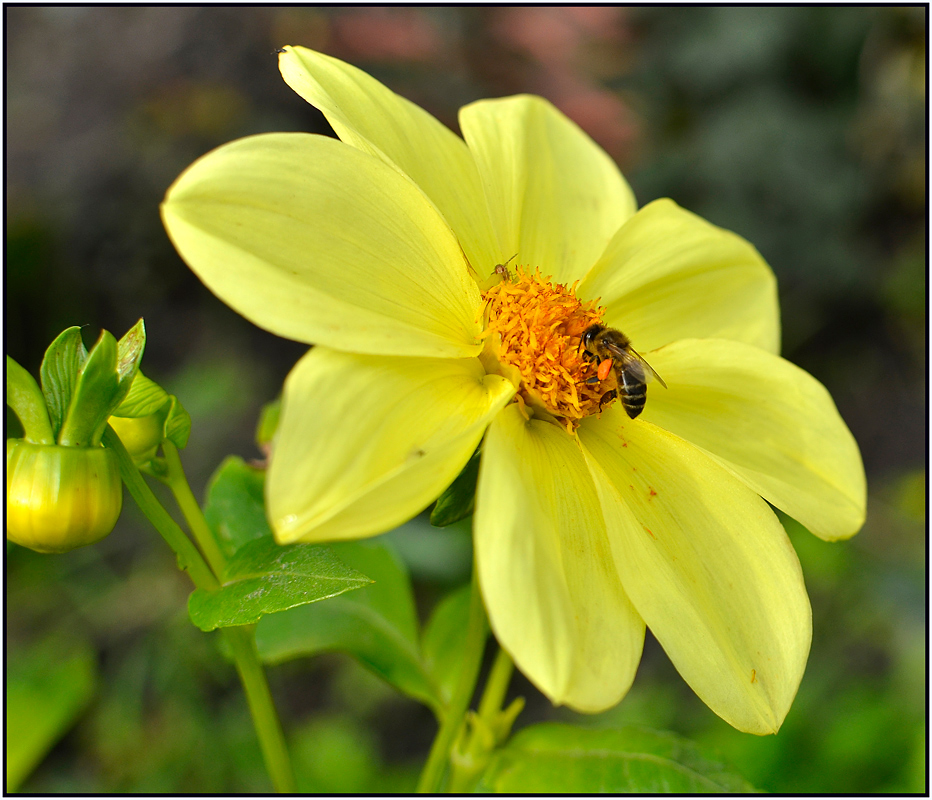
column 802, row 129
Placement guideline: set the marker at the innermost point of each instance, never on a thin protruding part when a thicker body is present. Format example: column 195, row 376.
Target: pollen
column 534, row 326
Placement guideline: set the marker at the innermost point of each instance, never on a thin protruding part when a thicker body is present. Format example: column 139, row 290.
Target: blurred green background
column 803, row 129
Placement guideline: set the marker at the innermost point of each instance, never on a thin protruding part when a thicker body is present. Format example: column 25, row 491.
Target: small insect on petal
column 502, row 269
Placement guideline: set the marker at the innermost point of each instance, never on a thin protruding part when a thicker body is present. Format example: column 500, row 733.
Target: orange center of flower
column 534, row 329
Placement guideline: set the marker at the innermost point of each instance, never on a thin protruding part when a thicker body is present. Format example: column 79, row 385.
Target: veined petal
column 768, row 421
column 365, row 443
column 668, row 275
column 316, row 241
column 708, row 567
column 555, row 197
column 548, row 579
column 367, row 115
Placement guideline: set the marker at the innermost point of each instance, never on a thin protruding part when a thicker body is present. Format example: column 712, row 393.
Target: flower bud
column 141, row 436
column 59, row 498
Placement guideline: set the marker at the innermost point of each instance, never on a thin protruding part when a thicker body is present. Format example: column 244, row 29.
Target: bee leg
column 607, row 398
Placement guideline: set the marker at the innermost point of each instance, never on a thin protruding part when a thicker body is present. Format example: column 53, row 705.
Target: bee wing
column 632, row 357
column 621, row 353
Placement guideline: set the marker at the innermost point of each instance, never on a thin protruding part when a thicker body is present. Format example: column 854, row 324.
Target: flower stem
column 241, row 638
column 180, row 488
column 486, row 730
column 476, row 631
column 189, row 559
column 496, row 686
column 262, row 707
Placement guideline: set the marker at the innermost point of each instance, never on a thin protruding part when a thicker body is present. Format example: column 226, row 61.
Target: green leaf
column 47, row 688
column 444, row 644
column 265, row 578
column 377, row 625
column 96, row 394
column 28, row 403
column 459, row 499
column 59, row 373
column 558, row 758
column 235, row 507
column 146, row 397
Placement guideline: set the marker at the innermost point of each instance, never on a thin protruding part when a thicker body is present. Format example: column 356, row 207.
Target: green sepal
column 145, row 398
column 129, row 353
column 95, row 389
column 97, row 383
column 103, row 380
column 459, row 499
column 59, row 374
column 555, row 758
column 25, row 397
column 264, row 578
column 504, row 720
column 478, row 738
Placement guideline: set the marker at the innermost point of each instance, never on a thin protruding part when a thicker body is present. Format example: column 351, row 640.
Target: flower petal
column 316, row 241
column 367, row 115
column 550, row 586
column 365, row 443
column 555, row 197
column 708, row 567
column 768, row 421
column 668, row 275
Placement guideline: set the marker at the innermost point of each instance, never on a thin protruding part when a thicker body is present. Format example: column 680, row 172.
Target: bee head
column 589, row 335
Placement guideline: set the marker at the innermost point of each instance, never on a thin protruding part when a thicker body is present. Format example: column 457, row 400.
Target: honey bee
column 613, row 350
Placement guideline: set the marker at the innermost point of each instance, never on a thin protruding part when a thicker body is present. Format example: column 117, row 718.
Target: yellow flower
column 381, row 250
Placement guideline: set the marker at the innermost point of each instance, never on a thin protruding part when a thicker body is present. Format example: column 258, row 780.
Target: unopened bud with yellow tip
column 141, row 436
column 59, row 498
column 147, row 417
column 63, row 489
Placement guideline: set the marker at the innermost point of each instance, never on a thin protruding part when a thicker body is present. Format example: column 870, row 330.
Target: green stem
column 473, row 757
column 241, row 639
column 476, row 631
column 262, row 707
column 189, row 559
column 180, row 488
column 495, row 687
